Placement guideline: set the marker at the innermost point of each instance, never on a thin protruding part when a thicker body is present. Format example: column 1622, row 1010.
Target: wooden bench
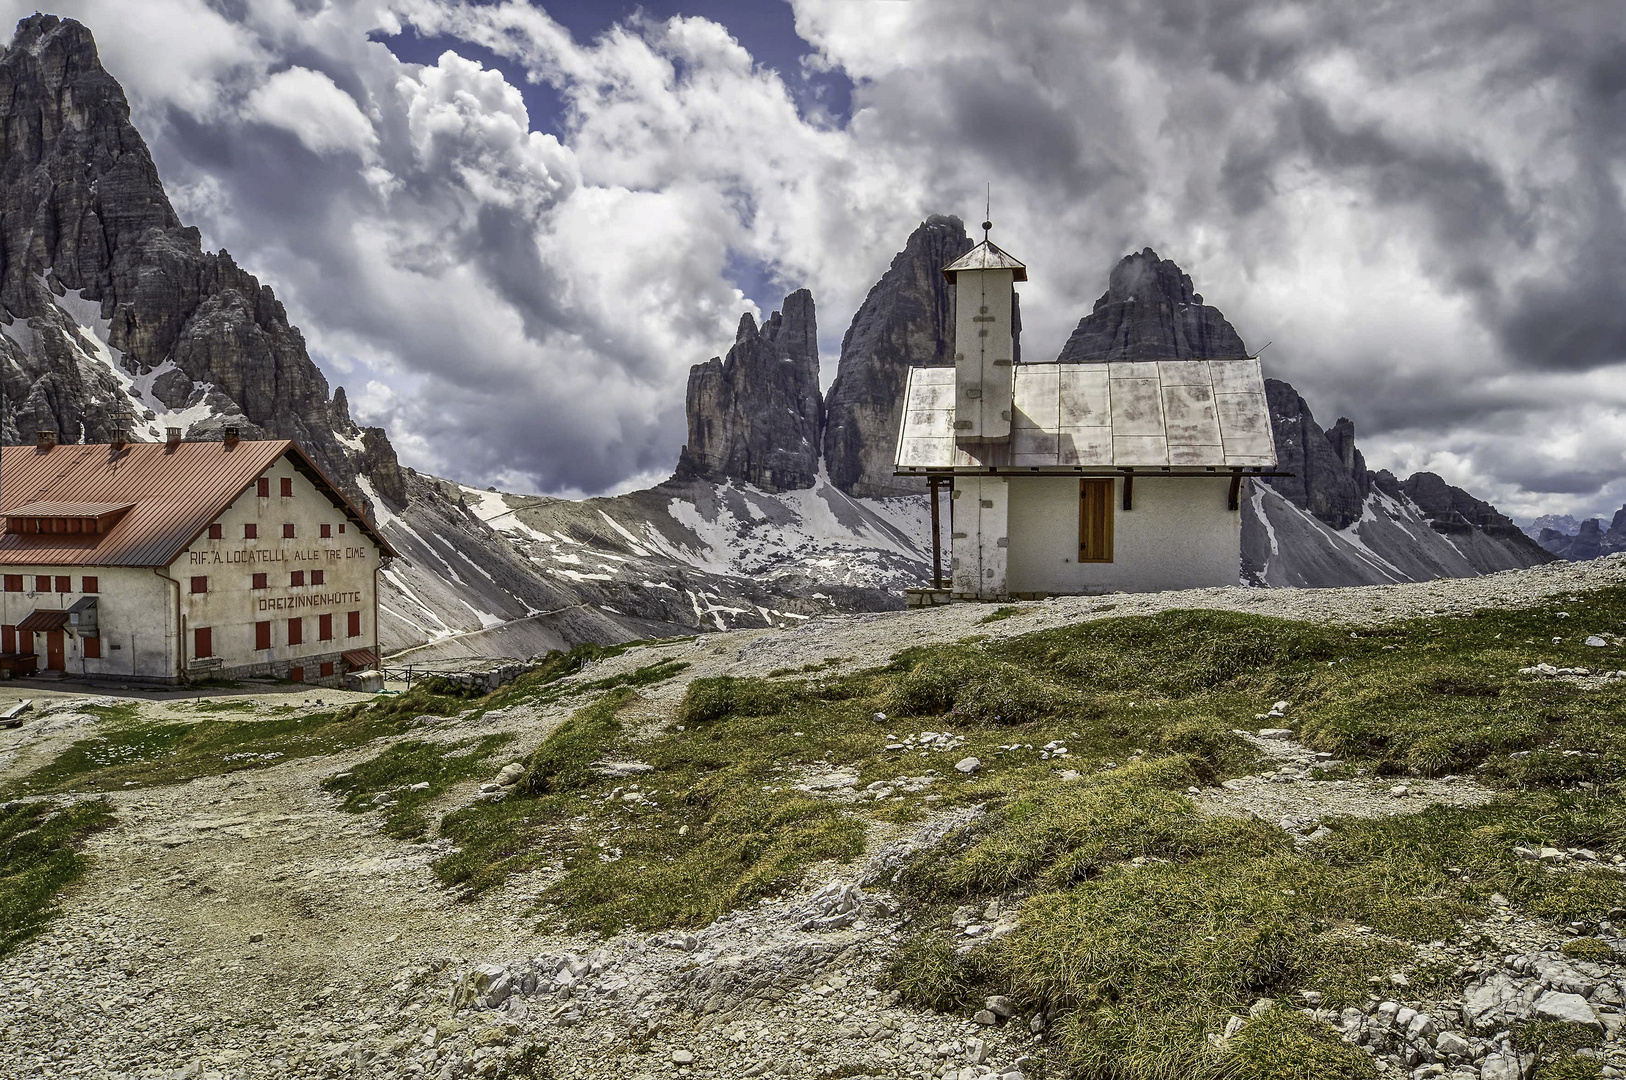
column 14, row 664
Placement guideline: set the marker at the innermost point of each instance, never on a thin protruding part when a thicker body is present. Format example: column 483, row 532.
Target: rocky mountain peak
column 755, row 416
column 907, row 320
column 1150, row 311
column 114, row 317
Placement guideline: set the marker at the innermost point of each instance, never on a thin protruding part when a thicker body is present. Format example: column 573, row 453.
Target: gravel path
column 244, row 926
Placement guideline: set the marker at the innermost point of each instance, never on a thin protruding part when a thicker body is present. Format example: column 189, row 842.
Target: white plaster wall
column 136, row 614
column 981, row 506
column 1180, row 535
column 232, row 605
column 983, row 374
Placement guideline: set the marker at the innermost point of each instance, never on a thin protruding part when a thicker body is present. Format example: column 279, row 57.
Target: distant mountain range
column 783, row 505
column 1578, row 541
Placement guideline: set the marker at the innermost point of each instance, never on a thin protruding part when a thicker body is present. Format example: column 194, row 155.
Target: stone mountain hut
column 164, row 562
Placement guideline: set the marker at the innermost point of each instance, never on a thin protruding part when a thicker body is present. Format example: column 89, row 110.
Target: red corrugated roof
column 174, row 493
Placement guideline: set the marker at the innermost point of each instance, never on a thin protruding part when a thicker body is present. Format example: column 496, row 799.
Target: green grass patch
column 225, row 705
column 398, row 772
column 39, row 857
column 149, row 754
column 998, row 615
column 1284, row 1044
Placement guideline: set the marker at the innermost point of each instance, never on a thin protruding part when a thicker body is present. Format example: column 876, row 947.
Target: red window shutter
column 296, row 674
column 288, row 531
column 8, row 639
column 92, row 649
column 216, row 532
column 262, row 635
column 324, row 628
column 251, row 531
column 203, row 641
column 200, row 584
column 14, row 583
column 89, row 585
column 296, row 631
column 287, row 487
column 327, row 669
column 260, row 582
column 64, row 584
column 296, row 577
column 42, row 583
column 318, row 577
column 327, row 531
column 354, row 619
column 341, row 528
column 262, row 487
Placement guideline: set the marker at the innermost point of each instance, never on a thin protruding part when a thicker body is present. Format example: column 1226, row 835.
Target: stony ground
column 245, row 926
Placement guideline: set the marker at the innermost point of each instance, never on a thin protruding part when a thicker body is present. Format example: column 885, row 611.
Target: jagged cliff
column 1589, row 539
column 756, row 416
column 1151, row 312
column 114, row 315
column 907, row 320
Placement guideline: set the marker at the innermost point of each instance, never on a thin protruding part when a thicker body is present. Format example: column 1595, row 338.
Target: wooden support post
column 937, row 537
column 1129, row 491
column 1233, row 500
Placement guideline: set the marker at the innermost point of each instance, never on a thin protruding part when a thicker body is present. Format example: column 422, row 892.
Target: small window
column 89, row 584
column 287, row 487
column 251, row 531
column 64, row 584
column 318, row 577
column 288, row 531
column 260, row 582
column 216, row 532
column 353, row 619
column 327, row 531
column 262, row 635
column 262, row 487
column 296, row 674
column 42, row 583
column 200, row 584
column 1095, row 521
column 296, row 577
column 203, row 641
column 92, row 648
column 14, row 583
column 341, row 528
column 327, row 670
column 296, row 631
column 324, row 628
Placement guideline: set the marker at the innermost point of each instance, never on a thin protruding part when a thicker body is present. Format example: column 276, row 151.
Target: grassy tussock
column 39, row 857
column 398, row 770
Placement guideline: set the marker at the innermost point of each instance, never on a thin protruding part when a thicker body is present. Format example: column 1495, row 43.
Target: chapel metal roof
column 173, row 492
column 1191, row 414
column 986, row 256
column 67, row 509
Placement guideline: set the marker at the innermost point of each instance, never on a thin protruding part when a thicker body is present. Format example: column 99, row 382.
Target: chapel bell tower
column 984, row 281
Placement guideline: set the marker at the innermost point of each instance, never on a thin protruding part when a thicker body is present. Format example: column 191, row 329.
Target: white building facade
column 1080, row 478
column 165, row 563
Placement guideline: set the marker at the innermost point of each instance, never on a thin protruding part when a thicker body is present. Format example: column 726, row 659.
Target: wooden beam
column 1233, row 500
column 937, row 539
column 1129, row 491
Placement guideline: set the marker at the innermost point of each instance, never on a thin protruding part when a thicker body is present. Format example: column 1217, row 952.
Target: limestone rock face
column 1329, row 475
column 114, row 316
column 907, row 320
column 1151, row 312
column 755, row 416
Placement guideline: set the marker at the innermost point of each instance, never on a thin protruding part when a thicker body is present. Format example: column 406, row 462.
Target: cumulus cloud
column 311, row 106
column 1421, row 209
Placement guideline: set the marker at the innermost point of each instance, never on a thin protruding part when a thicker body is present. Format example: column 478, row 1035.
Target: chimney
column 45, row 440
column 120, row 440
column 172, row 437
column 231, row 437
